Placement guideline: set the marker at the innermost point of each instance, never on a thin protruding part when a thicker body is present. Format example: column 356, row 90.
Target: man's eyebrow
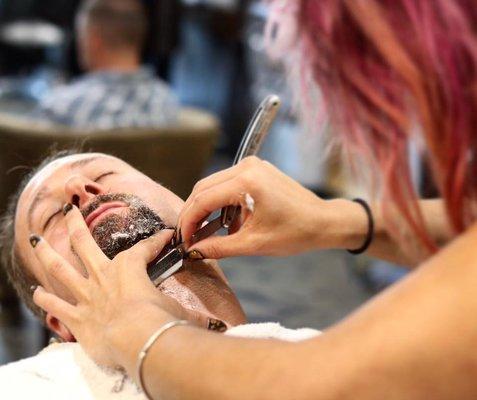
column 84, row 161
column 43, row 192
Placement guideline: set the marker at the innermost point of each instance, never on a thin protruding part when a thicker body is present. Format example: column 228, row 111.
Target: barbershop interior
column 287, row 166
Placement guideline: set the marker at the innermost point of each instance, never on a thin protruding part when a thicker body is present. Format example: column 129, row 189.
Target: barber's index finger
column 207, row 230
column 58, row 268
column 81, row 239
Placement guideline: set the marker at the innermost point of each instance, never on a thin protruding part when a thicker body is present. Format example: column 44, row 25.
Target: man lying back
column 121, row 206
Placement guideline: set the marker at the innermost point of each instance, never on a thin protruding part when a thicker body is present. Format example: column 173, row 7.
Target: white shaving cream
column 249, row 202
column 119, row 235
column 181, row 293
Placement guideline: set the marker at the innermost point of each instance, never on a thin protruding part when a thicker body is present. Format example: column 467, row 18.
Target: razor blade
column 166, row 264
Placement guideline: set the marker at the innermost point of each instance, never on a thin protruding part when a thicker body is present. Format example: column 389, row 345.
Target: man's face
column 121, row 206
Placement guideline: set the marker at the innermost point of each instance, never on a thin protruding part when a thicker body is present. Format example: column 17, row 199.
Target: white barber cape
column 64, row 371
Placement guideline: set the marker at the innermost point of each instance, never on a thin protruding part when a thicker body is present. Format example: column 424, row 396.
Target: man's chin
column 198, row 287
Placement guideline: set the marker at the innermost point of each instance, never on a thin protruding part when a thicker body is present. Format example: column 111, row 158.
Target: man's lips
column 93, row 218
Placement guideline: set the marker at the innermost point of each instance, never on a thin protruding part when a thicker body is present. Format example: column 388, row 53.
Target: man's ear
column 56, row 326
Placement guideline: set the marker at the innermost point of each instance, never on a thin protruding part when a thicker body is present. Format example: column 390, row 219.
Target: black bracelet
column 370, row 234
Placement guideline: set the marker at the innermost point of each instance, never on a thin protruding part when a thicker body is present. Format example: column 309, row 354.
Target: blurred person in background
column 117, row 90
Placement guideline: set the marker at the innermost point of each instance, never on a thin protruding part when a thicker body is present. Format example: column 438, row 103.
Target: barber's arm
column 388, row 247
column 287, row 219
column 415, row 341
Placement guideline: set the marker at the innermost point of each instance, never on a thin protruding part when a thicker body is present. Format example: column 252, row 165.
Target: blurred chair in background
column 174, row 155
column 116, row 91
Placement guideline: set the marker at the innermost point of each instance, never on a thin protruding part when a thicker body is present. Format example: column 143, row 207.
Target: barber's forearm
column 195, row 364
column 415, row 338
column 349, row 225
column 190, row 363
column 412, row 342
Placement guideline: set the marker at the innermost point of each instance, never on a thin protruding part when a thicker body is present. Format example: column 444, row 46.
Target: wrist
column 346, row 227
column 127, row 334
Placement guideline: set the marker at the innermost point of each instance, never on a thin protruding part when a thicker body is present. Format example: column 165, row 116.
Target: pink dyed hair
column 384, row 66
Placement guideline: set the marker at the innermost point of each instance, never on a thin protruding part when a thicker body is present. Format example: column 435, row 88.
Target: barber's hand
column 285, row 218
column 116, row 293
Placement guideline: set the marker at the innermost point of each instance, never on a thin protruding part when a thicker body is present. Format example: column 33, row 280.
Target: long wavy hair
column 392, row 71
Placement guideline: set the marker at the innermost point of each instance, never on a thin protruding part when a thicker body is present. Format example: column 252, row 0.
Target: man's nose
column 80, row 190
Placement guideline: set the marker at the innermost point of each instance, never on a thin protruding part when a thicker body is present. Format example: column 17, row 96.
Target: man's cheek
column 58, row 239
column 60, row 242
column 166, row 205
column 127, row 185
column 164, row 202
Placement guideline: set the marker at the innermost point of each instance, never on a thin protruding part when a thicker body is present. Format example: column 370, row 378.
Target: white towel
column 64, row 371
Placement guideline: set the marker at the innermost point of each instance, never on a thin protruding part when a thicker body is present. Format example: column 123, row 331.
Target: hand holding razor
column 171, row 258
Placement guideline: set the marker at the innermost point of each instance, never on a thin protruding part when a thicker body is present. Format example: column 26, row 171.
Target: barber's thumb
column 205, row 321
column 217, row 247
column 196, row 318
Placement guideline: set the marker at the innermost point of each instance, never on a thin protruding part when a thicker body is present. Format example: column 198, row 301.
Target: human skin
column 289, row 219
column 414, row 341
column 94, row 54
column 200, row 286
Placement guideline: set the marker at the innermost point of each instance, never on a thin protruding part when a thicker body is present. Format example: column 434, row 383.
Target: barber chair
column 175, row 155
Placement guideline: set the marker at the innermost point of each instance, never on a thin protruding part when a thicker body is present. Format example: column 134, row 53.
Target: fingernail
column 216, row 325
column 174, row 240
column 67, row 208
column 34, row 239
column 194, row 255
column 33, row 288
column 178, row 236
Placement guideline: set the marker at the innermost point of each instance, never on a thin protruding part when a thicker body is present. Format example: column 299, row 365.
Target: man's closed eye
column 59, row 212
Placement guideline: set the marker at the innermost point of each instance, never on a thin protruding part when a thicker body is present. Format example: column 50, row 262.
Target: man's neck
column 118, row 62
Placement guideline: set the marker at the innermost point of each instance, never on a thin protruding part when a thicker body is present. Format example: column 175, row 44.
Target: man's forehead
column 50, row 169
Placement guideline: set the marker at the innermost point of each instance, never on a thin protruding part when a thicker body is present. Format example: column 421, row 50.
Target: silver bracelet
column 143, row 353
